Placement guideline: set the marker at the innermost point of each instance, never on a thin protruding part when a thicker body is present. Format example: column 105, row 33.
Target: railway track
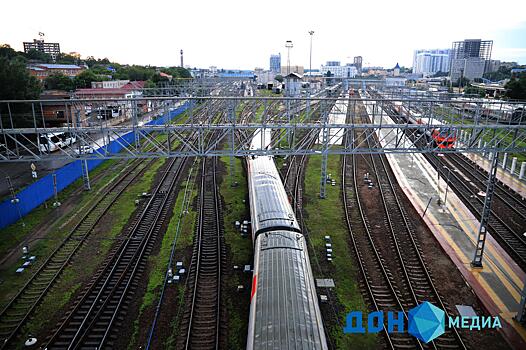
column 90, row 324
column 506, row 200
column 295, row 172
column 395, row 273
column 202, row 322
column 93, row 320
column 464, row 186
column 18, row 310
column 469, row 183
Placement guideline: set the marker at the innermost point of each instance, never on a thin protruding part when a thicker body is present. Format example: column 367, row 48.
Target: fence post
column 523, row 169
column 513, row 165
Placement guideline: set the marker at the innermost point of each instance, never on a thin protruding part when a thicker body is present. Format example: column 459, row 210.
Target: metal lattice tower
column 486, row 211
column 324, row 153
column 85, row 174
column 232, row 118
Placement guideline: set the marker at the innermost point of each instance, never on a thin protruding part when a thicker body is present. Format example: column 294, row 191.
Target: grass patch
column 90, row 256
column 158, row 263
column 239, row 248
column 326, row 217
column 184, row 242
column 16, row 233
column 267, row 93
column 43, row 247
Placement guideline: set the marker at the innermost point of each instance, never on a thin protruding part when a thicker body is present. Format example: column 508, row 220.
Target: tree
column 158, row 78
column 177, row 72
column 15, row 81
column 501, row 74
column 92, row 61
column 149, row 84
column 329, row 75
column 135, row 73
column 516, row 88
column 473, row 90
column 279, row 78
column 39, row 56
column 7, row 52
column 440, row 74
column 84, row 79
column 67, row 59
column 59, row 82
column 17, row 84
column 461, row 82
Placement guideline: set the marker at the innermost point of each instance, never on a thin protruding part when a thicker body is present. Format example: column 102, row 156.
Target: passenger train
column 284, row 311
column 442, row 136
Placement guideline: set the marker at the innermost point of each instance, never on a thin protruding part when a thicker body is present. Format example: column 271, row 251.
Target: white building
column 395, row 81
column 264, row 77
column 293, row 83
column 111, row 84
column 285, row 70
column 429, row 62
column 347, row 71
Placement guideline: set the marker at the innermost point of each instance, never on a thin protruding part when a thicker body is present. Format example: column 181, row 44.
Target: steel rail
column 55, row 264
column 375, row 291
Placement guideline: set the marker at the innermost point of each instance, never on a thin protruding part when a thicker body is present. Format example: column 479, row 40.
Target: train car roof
column 261, row 139
column 290, row 318
column 269, row 203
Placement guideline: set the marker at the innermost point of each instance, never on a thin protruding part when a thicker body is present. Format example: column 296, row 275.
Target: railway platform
column 505, row 177
column 499, row 283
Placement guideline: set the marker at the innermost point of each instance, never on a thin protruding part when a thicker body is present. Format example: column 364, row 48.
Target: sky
column 242, row 34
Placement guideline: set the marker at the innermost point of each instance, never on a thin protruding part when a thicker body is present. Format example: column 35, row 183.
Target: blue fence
column 35, row 194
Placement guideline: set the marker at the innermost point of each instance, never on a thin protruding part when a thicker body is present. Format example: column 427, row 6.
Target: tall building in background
column 358, row 63
column 470, row 58
column 52, row 49
column 347, row 71
column 429, row 62
column 275, row 63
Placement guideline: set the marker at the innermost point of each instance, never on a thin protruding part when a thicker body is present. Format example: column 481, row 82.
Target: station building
column 43, row 70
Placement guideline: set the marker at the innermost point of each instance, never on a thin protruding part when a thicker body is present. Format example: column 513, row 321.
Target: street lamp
column 288, row 45
column 311, row 33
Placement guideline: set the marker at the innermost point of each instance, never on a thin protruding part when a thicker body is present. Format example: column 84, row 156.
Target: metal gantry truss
column 243, row 116
column 477, row 125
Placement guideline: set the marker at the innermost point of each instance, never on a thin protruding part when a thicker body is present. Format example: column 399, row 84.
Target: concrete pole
column 523, row 170
column 504, row 161
column 513, row 165
column 485, row 146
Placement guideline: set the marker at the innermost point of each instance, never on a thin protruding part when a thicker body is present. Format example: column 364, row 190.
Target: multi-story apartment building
column 52, row 49
column 429, row 62
column 358, row 63
column 275, row 63
column 347, row 71
column 470, row 58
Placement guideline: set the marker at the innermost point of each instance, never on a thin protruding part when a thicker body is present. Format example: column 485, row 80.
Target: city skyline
column 223, row 35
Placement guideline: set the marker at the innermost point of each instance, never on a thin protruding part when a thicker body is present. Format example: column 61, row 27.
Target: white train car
column 284, row 311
